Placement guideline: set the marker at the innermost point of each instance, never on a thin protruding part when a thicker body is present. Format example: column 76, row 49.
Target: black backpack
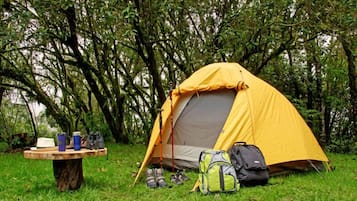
column 249, row 164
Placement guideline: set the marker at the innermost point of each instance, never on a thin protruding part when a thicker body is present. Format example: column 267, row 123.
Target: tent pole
column 172, row 134
column 160, row 123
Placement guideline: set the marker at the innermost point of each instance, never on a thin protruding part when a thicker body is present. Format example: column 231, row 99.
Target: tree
column 115, row 61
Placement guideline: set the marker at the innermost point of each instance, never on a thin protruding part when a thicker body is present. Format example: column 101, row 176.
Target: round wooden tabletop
column 52, row 153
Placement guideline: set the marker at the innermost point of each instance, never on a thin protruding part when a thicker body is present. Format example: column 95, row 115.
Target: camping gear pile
column 223, row 103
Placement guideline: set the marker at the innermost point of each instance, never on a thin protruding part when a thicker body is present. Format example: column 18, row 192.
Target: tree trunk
column 327, row 124
column 352, row 81
column 2, row 90
column 146, row 52
column 318, row 98
column 89, row 73
column 314, row 88
column 68, row 174
column 310, row 93
column 33, row 122
column 295, row 85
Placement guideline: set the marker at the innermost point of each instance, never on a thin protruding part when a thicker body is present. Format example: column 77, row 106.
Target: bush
column 3, row 146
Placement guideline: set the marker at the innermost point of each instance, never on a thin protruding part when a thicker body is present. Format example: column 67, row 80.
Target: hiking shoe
column 150, row 178
column 181, row 175
column 175, row 179
column 160, row 179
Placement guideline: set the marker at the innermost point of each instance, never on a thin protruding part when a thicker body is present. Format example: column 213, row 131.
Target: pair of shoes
column 174, row 179
column 179, row 177
column 155, row 178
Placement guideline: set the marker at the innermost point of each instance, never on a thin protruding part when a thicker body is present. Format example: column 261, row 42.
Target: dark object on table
column 95, row 141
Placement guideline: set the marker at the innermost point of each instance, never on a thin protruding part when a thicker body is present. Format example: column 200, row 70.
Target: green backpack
column 216, row 172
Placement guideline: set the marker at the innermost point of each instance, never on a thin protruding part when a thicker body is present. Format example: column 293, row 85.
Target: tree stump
column 68, row 174
column 67, row 165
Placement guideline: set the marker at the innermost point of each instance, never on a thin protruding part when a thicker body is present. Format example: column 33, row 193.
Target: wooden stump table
column 67, row 165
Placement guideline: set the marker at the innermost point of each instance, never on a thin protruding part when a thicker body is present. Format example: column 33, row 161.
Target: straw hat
column 45, row 142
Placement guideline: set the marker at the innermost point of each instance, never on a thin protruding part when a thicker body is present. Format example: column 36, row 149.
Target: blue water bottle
column 77, row 140
column 61, row 140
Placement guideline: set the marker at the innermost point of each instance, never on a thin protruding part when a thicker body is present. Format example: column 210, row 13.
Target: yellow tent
column 223, row 103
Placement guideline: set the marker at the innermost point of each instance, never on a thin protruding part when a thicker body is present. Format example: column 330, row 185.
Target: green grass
column 25, row 179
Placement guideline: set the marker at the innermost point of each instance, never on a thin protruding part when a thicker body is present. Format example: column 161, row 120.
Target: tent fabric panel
column 272, row 123
column 238, row 126
column 185, row 156
column 295, row 166
column 203, row 118
column 280, row 131
column 182, row 152
column 180, row 105
column 212, row 77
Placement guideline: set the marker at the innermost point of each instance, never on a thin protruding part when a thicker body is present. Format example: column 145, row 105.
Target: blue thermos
column 77, row 140
column 61, row 140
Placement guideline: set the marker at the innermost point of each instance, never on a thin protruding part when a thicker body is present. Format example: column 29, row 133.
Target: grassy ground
column 25, row 179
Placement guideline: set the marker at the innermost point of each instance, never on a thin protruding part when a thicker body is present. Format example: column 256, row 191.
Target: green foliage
column 96, row 122
column 115, row 60
column 45, row 130
column 3, row 146
column 112, row 180
column 14, row 119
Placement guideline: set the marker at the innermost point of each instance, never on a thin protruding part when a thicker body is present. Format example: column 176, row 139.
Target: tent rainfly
column 223, row 103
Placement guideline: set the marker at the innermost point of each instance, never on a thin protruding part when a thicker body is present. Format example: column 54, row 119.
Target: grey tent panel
column 203, row 118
